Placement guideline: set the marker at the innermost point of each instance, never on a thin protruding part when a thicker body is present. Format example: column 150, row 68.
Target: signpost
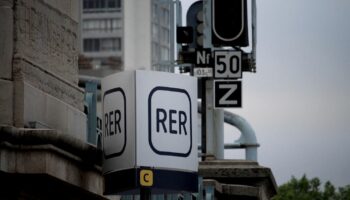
column 227, row 64
column 227, row 94
column 226, row 67
column 149, row 132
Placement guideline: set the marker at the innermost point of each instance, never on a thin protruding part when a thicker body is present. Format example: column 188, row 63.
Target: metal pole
column 91, row 98
column 203, row 119
column 145, row 194
column 214, row 117
column 219, row 133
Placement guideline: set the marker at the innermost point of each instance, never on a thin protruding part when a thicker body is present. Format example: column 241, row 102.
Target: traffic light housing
column 194, row 18
column 229, row 23
column 184, row 34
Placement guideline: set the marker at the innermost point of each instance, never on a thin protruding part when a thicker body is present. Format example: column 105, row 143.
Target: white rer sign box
column 149, row 131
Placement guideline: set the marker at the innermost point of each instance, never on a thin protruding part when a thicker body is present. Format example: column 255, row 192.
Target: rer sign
column 149, row 125
column 170, row 120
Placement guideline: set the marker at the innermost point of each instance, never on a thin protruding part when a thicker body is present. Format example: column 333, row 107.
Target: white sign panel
column 203, row 72
column 149, row 120
column 170, row 120
column 118, row 118
column 227, row 64
column 115, row 122
column 167, row 120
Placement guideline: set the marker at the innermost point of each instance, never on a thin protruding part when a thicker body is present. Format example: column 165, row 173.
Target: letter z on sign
column 170, row 121
column 227, row 94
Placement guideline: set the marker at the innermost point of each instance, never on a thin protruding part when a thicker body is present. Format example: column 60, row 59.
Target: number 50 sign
column 227, row 64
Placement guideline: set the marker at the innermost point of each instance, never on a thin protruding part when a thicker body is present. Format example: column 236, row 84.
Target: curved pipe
column 247, row 139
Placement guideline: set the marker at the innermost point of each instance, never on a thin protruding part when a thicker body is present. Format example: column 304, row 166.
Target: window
column 102, row 24
column 110, row 44
column 91, row 45
column 164, row 53
column 102, row 44
column 155, row 32
column 100, row 5
column 164, row 17
column 113, row 4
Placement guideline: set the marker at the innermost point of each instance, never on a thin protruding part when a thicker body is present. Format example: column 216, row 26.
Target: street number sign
column 203, row 72
column 227, row 64
column 227, row 94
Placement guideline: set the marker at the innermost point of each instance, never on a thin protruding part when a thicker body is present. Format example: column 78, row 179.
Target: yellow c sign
column 146, row 177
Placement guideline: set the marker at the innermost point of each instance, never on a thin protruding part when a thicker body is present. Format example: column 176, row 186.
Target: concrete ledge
column 234, row 169
column 22, row 136
column 233, row 189
column 239, row 178
column 40, row 187
column 50, row 112
column 52, row 156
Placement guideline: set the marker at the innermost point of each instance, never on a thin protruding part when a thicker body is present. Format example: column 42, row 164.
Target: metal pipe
column 248, row 138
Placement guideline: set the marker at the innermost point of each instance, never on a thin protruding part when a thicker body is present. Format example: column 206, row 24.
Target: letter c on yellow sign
column 146, row 178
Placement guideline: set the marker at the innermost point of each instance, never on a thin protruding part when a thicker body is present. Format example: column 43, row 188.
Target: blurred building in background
column 101, row 29
column 114, row 32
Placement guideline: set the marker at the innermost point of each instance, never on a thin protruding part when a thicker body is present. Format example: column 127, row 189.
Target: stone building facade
column 43, row 148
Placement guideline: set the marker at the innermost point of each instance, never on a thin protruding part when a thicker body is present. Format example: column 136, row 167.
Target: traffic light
column 229, row 23
column 184, row 34
column 194, row 19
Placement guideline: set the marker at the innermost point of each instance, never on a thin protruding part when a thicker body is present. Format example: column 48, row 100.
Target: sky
column 298, row 102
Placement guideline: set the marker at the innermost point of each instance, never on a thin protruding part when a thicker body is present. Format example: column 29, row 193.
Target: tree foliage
column 310, row 189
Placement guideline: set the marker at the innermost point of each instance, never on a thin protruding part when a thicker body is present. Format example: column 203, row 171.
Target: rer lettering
column 112, row 123
column 171, row 120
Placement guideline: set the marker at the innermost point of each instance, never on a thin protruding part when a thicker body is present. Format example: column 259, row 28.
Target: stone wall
column 39, row 65
column 47, row 38
column 6, row 46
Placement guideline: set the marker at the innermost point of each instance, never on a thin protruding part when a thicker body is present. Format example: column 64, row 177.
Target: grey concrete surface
column 6, row 39
column 6, row 102
column 47, row 37
column 66, row 7
column 49, row 83
column 53, row 113
column 53, row 154
column 239, row 179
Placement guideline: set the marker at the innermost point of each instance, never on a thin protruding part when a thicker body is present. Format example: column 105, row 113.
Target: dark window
column 101, row 4
column 91, row 45
column 112, row 4
column 105, row 44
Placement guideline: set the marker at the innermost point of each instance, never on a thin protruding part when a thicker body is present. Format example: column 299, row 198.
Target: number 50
column 227, row 64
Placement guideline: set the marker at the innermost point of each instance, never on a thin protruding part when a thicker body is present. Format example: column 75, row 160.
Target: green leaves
column 305, row 189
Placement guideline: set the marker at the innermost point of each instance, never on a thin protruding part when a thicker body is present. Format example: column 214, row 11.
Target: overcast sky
column 298, row 102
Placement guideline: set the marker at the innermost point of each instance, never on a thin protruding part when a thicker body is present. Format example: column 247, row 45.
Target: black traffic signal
column 194, row 19
column 229, row 23
column 184, row 34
